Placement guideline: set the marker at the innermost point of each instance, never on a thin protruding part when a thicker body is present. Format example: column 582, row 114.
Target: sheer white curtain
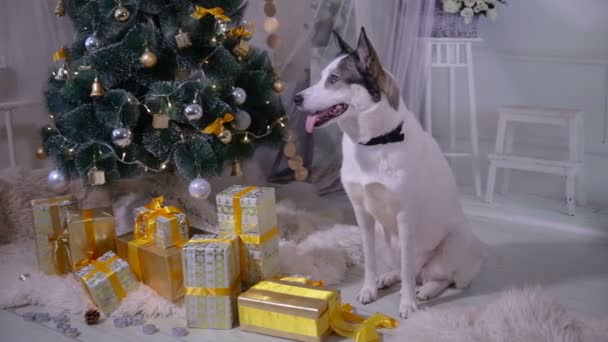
column 29, row 34
column 397, row 29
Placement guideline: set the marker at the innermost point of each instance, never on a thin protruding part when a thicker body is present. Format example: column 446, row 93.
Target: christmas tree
column 158, row 85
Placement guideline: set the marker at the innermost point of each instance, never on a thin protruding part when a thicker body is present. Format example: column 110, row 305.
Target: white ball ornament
column 242, row 120
column 199, row 188
column 122, row 137
column 57, row 181
column 92, row 44
column 239, row 95
column 193, row 111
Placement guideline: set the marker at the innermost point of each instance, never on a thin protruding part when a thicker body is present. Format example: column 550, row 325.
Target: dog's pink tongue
column 311, row 120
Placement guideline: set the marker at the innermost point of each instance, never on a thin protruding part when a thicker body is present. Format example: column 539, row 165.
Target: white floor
column 574, row 269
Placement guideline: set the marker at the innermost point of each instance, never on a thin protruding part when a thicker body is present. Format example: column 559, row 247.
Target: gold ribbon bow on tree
column 217, row 126
column 60, row 54
column 242, row 32
column 218, row 12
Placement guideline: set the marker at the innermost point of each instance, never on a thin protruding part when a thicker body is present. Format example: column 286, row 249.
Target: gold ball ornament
column 122, row 14
column 301, row 174
column 40, row 154
column 148, row 59
column 271, row 25
column 295, row 163
column 225, row 136
column 290, row 150
column 278, row 86
column 273, row 41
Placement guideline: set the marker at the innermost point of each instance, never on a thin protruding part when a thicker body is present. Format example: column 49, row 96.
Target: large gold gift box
column 304, row 311
column 108, row 280
column 92, row 232
column 50, row 220
column 211, row 277
column 250, row 213
column 160, row 268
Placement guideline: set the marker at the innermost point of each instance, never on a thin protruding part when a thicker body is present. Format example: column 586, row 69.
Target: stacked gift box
column 154, row 248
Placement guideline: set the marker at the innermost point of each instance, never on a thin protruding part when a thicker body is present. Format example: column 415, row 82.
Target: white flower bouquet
column 472, row 8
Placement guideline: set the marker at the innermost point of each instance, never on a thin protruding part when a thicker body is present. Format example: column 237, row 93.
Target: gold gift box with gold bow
column 107, row 280
column 160, row 268
column 304, row 311
column 91, row 233
column 250, row 213
column 50, row 220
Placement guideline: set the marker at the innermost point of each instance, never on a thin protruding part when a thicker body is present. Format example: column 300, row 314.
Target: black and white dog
column 396, row 177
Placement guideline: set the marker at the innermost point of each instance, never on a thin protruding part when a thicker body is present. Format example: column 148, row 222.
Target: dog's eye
column 333, row 79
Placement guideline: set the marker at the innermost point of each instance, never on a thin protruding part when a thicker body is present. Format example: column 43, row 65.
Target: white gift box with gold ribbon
column 250, row 213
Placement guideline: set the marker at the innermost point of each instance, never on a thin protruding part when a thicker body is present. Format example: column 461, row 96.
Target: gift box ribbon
column 59, row 238
column 156, row 208
column 221, row 291
column 110, row 274
column 89, row 231
column 339, row 318
column 238, row 229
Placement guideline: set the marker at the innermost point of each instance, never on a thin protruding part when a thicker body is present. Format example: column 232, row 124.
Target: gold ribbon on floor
column 217, row 126
column 339, row 318
column 104, row 267
column 156, row 208
column 226, row 291
column 218, row 12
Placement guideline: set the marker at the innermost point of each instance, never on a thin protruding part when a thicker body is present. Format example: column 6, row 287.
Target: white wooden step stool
column 572, row 168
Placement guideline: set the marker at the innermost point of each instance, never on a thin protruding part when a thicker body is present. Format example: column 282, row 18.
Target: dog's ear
column 367, row 58
column 344, row 47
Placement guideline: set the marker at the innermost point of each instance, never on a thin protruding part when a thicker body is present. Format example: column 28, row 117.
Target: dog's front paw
column 367, row 295
column 407, row 308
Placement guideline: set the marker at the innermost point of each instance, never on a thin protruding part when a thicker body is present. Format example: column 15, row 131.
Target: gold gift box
column 50, row 220
column 288, row 310
column 92, row 233
column 160, row 268
column 107, row 281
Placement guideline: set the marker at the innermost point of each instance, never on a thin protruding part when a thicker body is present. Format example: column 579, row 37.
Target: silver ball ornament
column 193, row 111
column 122, row 137
column 199, row 188
column 92, row 44
column 57, row 181
column 239, row 95
column 242, row 120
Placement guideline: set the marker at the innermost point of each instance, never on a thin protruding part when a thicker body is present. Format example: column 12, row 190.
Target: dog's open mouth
column 321, row 117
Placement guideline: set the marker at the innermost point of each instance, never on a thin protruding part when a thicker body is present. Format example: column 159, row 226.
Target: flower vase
column 453, row 25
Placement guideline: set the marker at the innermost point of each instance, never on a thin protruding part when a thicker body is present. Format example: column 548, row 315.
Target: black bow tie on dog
column 391, row 137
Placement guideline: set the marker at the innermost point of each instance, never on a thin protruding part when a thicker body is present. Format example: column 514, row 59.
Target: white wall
column 546, row 53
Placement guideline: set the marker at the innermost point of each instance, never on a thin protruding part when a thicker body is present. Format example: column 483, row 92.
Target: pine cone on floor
column 92, row 316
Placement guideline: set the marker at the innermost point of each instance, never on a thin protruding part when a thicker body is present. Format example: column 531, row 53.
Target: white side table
column 7, row 109
column 453, row 53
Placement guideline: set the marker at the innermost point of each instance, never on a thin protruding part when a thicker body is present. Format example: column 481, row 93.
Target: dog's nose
column 298, row 100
